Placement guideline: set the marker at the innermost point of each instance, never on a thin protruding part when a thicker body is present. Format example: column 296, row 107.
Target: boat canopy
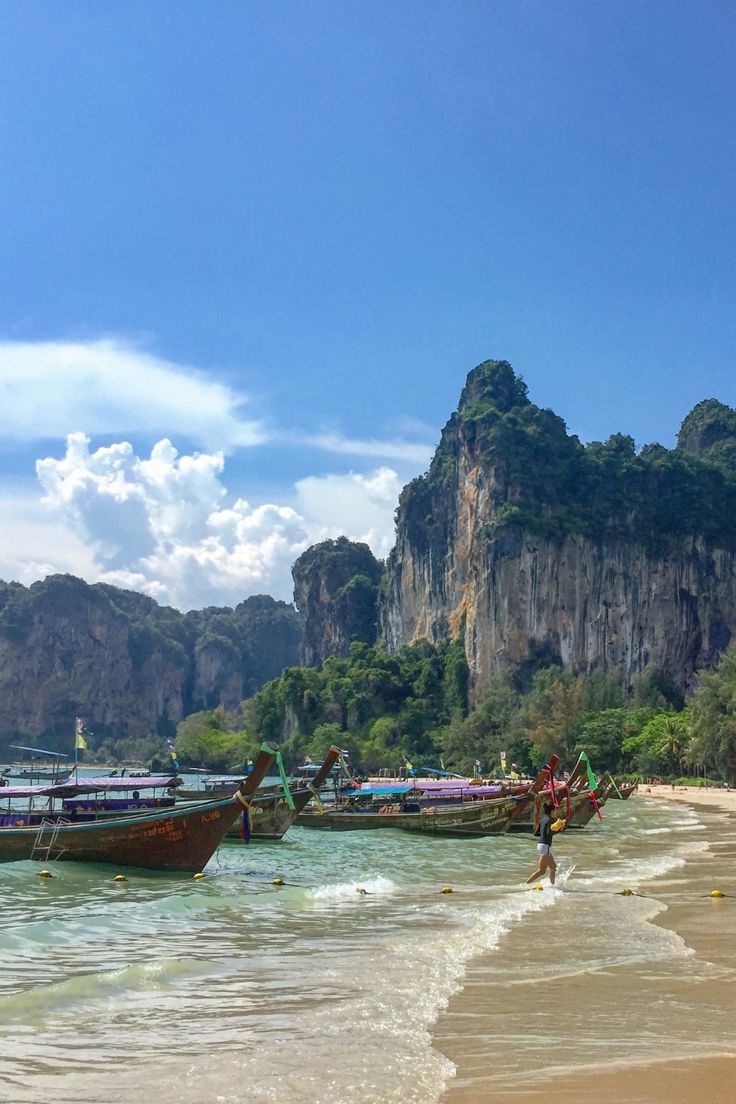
column 381, row 791
column 22, row 791
column 40, row 751
column 71, row 787
column 441, row 773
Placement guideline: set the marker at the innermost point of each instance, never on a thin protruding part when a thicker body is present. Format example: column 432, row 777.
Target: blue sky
column 280, row 235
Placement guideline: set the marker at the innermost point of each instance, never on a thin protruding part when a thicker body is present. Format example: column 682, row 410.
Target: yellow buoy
column 198, row 877
column 45, row 874
column 278, row 881
column 716, row 893
column 447, row 889
column 627, row 892
column 120, row 878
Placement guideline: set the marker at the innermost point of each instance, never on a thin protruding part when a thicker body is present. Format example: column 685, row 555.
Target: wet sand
column 591, row 1006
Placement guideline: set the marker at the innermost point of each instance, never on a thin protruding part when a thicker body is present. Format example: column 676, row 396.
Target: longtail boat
column 590, row 798
column 624, row 790
column 481, row 818
column 178, row 839
column 487, row 817
column 578, row 800
column 215, row 785
column 272, row 814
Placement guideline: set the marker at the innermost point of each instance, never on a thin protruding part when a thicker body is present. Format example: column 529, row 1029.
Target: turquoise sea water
column 233, row 988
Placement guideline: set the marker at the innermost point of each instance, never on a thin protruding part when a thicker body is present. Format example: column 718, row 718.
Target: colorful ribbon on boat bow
column 246, row 826
column 593, row 785
column 284, row 781
column 549, row 771
column 316, row 797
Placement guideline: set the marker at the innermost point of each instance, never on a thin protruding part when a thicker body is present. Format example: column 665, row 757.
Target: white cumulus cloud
column 359, row 506
column 163, row 525
column 110, row 386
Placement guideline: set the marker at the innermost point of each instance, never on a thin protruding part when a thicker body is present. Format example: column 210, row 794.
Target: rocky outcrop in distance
column 336, row 591
column 130, row 666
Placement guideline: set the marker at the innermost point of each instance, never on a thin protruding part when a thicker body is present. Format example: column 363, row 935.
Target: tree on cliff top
column 543, row 480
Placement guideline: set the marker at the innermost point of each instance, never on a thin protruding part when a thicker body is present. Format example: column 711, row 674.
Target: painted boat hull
column 183, row 839
column 478, row 818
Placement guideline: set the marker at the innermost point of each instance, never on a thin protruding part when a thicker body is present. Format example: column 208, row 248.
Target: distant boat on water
column 56, row 768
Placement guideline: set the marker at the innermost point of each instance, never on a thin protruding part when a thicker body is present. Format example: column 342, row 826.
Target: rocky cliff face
column 529, row 546
column 131, row 667
column 336, row 591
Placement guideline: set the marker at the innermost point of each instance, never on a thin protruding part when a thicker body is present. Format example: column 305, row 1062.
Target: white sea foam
column 375, row 886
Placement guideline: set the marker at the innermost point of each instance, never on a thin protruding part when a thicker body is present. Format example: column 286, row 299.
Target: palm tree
column 676, row 735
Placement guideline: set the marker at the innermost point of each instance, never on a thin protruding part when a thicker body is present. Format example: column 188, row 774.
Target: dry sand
column 711, row 1079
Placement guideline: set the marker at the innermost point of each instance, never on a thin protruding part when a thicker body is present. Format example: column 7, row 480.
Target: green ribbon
column 284, row 781
column 613, row 783
column 592, row 780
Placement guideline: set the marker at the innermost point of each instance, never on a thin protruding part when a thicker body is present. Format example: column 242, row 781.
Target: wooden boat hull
column 183, row 839
column 583, row 810
column 271, row 817
column 477, row 818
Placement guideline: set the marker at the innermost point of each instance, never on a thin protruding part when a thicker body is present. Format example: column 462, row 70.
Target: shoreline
column 464, row 1031
column 713, row 796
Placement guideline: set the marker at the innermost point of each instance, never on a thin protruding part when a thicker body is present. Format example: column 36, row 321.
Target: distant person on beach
column 547, row 864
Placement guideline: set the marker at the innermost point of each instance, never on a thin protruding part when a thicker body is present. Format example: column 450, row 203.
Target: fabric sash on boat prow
column 592, row 784
column 246, row 827
column 612, row 780
column 266, row 753
column 284, row 781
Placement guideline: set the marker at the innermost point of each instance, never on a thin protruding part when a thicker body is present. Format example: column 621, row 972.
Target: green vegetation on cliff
column 336, row 589
column 544, row 480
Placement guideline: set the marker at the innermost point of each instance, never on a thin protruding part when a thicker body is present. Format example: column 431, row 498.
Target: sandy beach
column 717, row 798
column 474, row 1028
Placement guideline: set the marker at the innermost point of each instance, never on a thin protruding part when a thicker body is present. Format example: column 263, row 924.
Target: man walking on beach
column 547, row 864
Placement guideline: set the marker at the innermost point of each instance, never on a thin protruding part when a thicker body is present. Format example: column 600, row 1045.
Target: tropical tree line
column 387, row 710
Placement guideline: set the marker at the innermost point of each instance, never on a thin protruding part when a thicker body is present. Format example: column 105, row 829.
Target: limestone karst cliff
column 129, row 665
column 336, row 591
column 531, row 546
